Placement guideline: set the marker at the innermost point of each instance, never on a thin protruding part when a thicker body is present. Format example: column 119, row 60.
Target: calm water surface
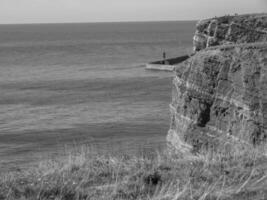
column 83, row 84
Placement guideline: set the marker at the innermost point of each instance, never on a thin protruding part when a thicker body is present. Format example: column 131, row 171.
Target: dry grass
column 234, row 172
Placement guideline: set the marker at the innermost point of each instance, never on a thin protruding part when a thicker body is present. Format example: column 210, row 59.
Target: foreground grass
column 235, row 173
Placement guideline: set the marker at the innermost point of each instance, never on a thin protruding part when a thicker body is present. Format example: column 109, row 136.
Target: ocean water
column 84, row 84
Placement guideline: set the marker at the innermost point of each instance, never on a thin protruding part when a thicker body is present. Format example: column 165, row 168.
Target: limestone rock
column 230, row 29
column 221, row 91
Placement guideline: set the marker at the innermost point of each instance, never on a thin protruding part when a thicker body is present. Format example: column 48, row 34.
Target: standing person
column 164, row 57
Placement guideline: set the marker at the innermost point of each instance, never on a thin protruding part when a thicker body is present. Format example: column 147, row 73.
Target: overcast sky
column 54, row 11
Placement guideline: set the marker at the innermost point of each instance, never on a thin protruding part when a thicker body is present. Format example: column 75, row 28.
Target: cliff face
column 230, row 29
column 221, row 92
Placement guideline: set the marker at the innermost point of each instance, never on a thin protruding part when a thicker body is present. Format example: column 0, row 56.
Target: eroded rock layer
column 220, row 92
column 230, row 29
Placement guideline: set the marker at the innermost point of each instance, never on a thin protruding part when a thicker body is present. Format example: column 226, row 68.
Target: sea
column 74, row 85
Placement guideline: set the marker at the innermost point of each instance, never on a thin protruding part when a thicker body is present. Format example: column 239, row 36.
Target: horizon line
column 133, row 21
column 97, row 22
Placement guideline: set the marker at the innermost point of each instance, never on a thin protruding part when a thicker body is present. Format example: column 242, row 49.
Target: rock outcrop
column 221, row 91
column 230, row 30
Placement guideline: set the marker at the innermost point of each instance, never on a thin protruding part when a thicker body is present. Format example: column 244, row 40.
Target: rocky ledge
column 221, row 92
column 230, row 30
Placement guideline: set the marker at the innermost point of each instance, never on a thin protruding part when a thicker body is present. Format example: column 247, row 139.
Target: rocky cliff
column 221, row 92
column 230, row 30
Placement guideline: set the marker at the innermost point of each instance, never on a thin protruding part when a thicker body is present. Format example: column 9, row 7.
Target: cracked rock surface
column 221, row 92
column 230, row 30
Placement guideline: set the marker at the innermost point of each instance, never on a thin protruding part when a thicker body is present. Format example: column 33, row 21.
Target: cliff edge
column 220, row 93
column 230, row 30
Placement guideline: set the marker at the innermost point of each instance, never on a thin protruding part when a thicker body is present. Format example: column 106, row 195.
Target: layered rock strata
column 221, row 91
column 230, row 30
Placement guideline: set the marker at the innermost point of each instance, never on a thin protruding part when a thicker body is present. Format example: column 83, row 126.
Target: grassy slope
column 237, row 172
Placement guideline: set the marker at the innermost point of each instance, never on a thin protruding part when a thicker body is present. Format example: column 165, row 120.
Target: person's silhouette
column 164, row 57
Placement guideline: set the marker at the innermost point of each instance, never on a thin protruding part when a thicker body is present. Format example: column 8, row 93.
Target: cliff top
column 258, row 20
column 234, row 30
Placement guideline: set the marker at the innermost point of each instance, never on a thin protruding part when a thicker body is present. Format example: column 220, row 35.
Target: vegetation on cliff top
column 234, row 172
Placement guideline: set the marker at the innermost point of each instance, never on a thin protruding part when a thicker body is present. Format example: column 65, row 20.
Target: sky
column 62, row 11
